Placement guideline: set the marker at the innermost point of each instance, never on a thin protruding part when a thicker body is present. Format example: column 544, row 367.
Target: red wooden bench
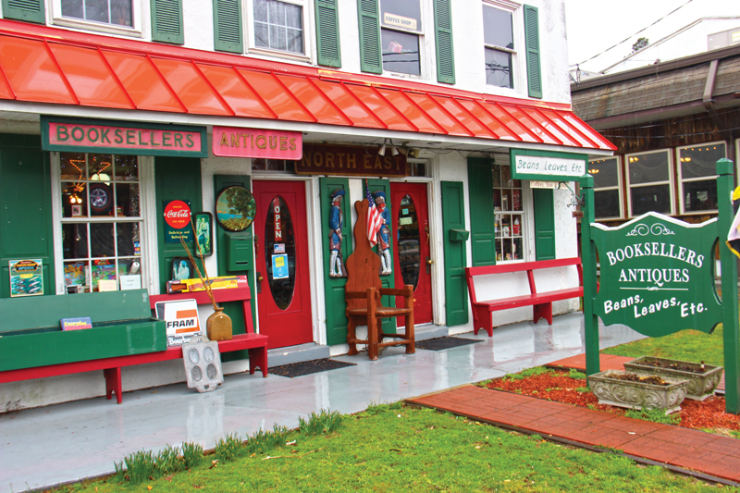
column 256, row 344
column 541, row 301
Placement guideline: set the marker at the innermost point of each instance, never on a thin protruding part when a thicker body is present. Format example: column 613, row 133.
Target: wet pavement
column 57, row 444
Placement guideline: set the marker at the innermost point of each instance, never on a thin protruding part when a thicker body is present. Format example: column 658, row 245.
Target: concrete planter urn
column 635, row 394
column 702, row 383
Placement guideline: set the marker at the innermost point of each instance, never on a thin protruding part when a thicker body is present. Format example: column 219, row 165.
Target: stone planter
column 637, row 395
column 701, row 385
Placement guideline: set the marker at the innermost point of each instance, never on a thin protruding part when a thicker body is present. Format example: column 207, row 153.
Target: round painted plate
column 235, row 208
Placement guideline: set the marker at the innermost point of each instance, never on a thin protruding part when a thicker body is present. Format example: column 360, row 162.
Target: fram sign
column 181, row 320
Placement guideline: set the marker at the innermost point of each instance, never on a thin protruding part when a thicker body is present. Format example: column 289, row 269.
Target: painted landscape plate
column 235, row 208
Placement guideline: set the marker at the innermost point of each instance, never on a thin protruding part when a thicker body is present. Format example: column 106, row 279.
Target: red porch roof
column 47, row 65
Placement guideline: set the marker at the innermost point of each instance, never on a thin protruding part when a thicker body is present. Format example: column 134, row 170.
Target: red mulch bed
column 558, row 386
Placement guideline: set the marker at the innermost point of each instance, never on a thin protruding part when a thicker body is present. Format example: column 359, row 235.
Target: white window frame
column 148, row 241
column 670, row 182
column 134, row 31
column 619, row 187
column 425, row 60
column 309, row 47
column 681, row 180
column 526, row 227
column 518, row 54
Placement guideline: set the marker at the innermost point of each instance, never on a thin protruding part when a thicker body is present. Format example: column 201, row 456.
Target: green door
column 480, row 195
column 544, row 223
column 453, row 218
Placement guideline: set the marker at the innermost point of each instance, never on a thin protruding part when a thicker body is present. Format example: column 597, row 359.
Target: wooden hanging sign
column 350, row 161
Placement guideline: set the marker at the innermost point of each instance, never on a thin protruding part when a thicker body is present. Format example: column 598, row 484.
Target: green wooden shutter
column 26, row 227
column 227, row 25
column 443, row 30
column 327, row 33
column 25, row 10
column 480, row 196
column 456, row 289
column 389, row 324
column 532, row 34
column 544, row 224
column 336, row 319
column 167, row 21
column 370, row 54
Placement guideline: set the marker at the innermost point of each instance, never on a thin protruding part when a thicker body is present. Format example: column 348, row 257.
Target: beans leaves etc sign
column 657, row 275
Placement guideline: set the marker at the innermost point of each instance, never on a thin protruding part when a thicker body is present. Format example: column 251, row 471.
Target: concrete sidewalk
column 57, row 444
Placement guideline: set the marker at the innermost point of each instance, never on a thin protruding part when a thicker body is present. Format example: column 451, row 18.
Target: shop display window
column 697, row 174
column 649, row 178
column 607, row 175
column 509, row 216
column 400, row 29
column 498, row 32
column 285, row 165
column 102, row 222
column 278, row 26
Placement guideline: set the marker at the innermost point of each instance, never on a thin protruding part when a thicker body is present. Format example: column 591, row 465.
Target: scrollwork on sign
column 657, row 230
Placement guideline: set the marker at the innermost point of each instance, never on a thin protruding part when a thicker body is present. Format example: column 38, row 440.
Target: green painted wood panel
column 371, row 59
column 25, row 10
column 544, row 223
column 532, row 36
column 336, row 319
column 327, row 33
column 26, row 230
column 51, row 348
column 46, row 311
column 167, row 21
column 453, row 217
column 389, row 324
column 234, row 309
column 227, row 26
column 445, row 46
column 176, row 178
column 480, row 196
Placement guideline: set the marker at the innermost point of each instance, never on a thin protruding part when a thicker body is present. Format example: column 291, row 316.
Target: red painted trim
column 115, row 77
column 215, row 92
column 554, row 124
column 303, row 106
column 364, row 106
column 167, row 84
column 251, row 88
column 541, row 127
column 450, row 115
column 434, row 122
column 399, row 113
column 332, row 103
column 576, row 130
column 486, row 127
column 7, row 82
column 515, row 134
column 535, row 136
column 61, row 72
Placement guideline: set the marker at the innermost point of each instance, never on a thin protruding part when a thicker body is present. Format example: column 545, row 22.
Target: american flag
column 374, row 219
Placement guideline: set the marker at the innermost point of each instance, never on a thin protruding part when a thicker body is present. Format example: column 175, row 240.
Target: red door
column 283, row 284
column 410, row 233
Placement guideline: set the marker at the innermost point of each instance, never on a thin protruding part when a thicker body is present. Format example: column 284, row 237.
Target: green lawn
column 392, row 448
column 687, row 345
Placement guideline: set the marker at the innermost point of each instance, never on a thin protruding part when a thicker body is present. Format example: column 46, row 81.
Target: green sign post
column 657, row 277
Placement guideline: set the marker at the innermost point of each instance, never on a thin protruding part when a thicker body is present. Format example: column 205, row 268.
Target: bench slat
column 532, row 299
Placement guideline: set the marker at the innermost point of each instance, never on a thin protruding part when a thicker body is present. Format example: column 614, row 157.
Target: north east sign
column 657, row 275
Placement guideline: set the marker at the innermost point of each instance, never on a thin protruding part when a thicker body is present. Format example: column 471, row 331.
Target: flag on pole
column 374, row 219
column 733, row 237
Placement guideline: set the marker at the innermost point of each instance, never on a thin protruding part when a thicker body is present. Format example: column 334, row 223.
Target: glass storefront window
column 101, row 221
column 509, row 216
column 697, row 175
column 649, row 182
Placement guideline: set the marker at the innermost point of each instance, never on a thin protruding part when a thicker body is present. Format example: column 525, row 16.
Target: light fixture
column 381, row 151
column 394, row 151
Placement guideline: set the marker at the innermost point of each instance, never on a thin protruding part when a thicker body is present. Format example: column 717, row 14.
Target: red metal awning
column 47, row 65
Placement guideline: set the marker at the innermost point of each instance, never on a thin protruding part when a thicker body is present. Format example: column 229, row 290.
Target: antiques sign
column 657, row 275
column 66, row 134
column 353, row 161
column 251, row 143
column 549, row 166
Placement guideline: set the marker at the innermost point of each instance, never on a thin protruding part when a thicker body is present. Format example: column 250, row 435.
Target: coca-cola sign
column 177, row 214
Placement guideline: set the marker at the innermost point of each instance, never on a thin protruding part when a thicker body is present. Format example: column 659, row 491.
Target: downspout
column 709, row 87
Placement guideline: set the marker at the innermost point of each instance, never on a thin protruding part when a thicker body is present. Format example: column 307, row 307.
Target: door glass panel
column 409, row 254
column 280, row 254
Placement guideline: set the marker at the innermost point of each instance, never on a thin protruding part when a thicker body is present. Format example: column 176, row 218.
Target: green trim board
column 529, row 164
column 108, row 133
column 532, row 42
column 167, row 25
column 227, row 26
column 371, row 58
column 455, row 248
column 544, row 223
column 482, row 223
column 336, row 318
column 444, row 41
column 327, row 33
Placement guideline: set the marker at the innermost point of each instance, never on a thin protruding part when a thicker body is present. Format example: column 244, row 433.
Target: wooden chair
column 362, row 294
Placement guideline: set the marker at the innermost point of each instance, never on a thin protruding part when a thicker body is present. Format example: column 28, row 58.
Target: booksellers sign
column 657, row 275
column 66, row 134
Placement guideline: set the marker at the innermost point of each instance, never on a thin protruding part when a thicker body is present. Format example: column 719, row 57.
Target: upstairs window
column 498, row 30
column 115, row 12
column 278, row 26
column 400, row 30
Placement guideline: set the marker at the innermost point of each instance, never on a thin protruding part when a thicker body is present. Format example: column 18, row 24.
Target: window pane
column 127, row 168
column 700, row 160
column 700, row 195
column 605, row 172
column 648, row 168
column 295, row 41
column 128, row 239
column 103, row 270
column 278, row 39
column 75, row 273
column 276, row 13
column 606, row 204
column 101, row 167
column 293, row 16
column 127, row 200
column 101, row 240
column 404, row 14
column 498, row 68
column 655, row 198
column 260, row 10
column 74, row 199
column 96, row 10
column 498, row 27
column 74, row 241
column 120, row 12
column 72, row 8
column 73, row 166
column 261, row 35
column 400, row 52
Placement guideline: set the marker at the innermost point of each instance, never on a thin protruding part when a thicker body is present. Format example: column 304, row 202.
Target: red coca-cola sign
column 177, row 214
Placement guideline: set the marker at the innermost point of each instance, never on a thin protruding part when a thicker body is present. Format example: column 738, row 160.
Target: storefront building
column 103, row 134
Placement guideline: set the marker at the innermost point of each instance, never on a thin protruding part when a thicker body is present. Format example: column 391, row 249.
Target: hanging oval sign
column 177, row 214
column 235, row 208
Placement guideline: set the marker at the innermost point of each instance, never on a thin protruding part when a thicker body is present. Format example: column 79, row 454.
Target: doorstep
column 297, row 354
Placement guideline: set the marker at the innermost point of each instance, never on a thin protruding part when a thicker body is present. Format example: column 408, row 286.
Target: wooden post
column 588, row 258
column 731, row 340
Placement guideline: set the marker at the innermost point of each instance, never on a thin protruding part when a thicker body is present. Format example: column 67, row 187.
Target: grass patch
column 655, row 415
column 530, row 372
column 687, row 345
column 323, row 422
column 399, row 449
column 578, row 375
